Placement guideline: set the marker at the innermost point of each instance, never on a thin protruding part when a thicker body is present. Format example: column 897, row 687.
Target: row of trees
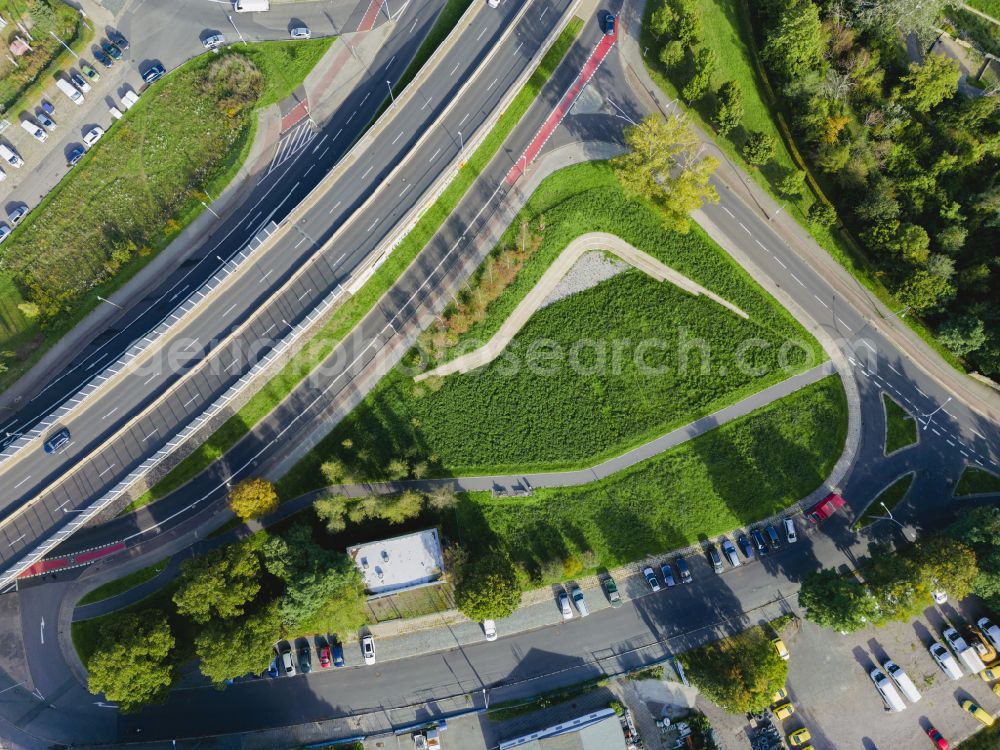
column 897, row 585
column 913, row 165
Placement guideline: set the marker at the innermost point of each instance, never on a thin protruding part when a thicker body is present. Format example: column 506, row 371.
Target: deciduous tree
column 332, row 511
column 835, row 601
column 233, row 648
column 132, row 665
column 252, row 498
column 759, row 148
column 927, row 85
column 729, row 110
column 219, row 583
column 487, row 587
column 796, row 43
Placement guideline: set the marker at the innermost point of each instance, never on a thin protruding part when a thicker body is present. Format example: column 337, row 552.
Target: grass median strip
column 184, row 141
column 900, row 427
column 975, row 481
column 125, row 583
column 344, row 319
column 885, row 501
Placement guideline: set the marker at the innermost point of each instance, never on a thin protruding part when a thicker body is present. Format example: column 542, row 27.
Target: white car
column 80, row 82
column 567, row 613
column 368, row 649
column 4, row 231
column 15, row 216
column 35, row 130
column 285, row 659
column 940, row 597
column 493, row 3
column 214, row 42
column 955, row 640
column 945, row 660
column 300, row 32
column 129, row 99
column 490, row 629
column 578, row 602
column 790, row 531
column 92, row 136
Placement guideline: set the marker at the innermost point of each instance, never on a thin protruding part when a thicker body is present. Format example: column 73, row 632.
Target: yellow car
column 779, row 696
column 979, row 713
column 996, row 690
column 779, row 646
column 787, row 709
column 990, row 673
column 799, row 737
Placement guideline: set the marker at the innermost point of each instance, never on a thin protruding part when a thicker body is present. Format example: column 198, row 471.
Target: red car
column 324, row 656
column 939, row 742
column 826, row 508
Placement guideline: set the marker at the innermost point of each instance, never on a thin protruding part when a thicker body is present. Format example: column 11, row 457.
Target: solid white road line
column 110, row 413
column 798, row 280
column 849, row 330
column 977, row 434
column 731, row 214
column 780, row 262
column 22, row 482
column 821, row 302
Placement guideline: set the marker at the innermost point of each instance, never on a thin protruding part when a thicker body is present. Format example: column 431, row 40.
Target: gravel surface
column 590, row 270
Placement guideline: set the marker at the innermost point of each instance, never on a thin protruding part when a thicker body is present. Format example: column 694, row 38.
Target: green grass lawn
column 901, row 428
column 989, row 7
column 515, row 418
column 145, row 179
column 125, row 583
column 975, row 480
column 891, row 496
column 342, row 321
column 740, row 472
column 725, row 30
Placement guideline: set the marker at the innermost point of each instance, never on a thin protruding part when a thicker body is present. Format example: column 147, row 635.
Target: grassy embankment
column 901, row 428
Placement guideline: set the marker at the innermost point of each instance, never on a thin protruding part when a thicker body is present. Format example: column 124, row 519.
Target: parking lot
column 45, row 163
column 834, row 697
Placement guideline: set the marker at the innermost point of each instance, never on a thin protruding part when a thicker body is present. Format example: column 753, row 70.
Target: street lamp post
column 64, row 45
column 461, row 143
column 236, row 29
column 392, row 98
column 890, row 517
column 113, row 304
column 210, row 209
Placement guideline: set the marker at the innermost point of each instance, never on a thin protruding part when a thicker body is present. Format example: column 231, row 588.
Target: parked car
column 300, row 32
column 80, row 82
column 102, row 57
column 759, row 543
column 47, row 122
column 581, row 606
column 154, row 73
column 92, row 136
column 490, row 630
column 47, row 107
column 57, row 441
column 715, row 558
column 338, row 654
column 611, row 589
column 564, row 608
column 772, row 535
column 730, row 552
column 15, row 216
column 287, row 663
column 118, row 40
column 129, row 99
column 779, row 696
column 651, row 579
column 112, row 50
column 991, row 631
column 368, row 649
column 214, row 42
column 11, row 156
column 902, row 680
column 978, row 641
column 790, row 534
column 272, row 671
column 35, row 130
column 75, row 155
column 799, row 737
column 779, row 646
column 608, row 24
column 939, row 742
column 989, row 674
column 944, row 659
column 887, row 690
column 90, row 72
column 324, row 655
column 115, row 113
column 825, row 507
column 668, row 575
column 4, row 234
column 305, row 659
column 745, row 547
column 978, row 712
column 684, row 570
column 783, row 711
column 939, row 596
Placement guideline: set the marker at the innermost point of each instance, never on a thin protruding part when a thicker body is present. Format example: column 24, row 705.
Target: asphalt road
column 86, row 473
column 626, row 637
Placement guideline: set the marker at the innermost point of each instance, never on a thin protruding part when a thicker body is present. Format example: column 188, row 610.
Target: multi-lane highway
column 119, row 427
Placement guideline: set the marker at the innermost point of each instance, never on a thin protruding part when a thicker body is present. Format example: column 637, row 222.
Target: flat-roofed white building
column 600, row 730
column 400, row 563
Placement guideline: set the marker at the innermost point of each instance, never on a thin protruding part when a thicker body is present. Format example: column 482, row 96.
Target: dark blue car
column 758, row 539
column 745, row 547
column 338, row 654
column 154, row 73
column 608, row 24
column 102, row 58
column 57, row 441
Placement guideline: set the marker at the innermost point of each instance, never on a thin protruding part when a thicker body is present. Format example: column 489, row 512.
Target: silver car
column 578, row 602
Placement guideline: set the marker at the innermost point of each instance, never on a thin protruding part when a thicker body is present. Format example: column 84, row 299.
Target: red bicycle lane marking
column 70, row 561
column 563, row 107
column 368, row 22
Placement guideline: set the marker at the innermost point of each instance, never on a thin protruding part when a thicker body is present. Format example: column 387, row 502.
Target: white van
column 790, row 534
column 892, row 700
column 71, row 91
column 251, row 6
column 991, row 631
column 115, row 112
column 902, row 680
column 946, row 661
column 10, row 156
column 35, row 130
